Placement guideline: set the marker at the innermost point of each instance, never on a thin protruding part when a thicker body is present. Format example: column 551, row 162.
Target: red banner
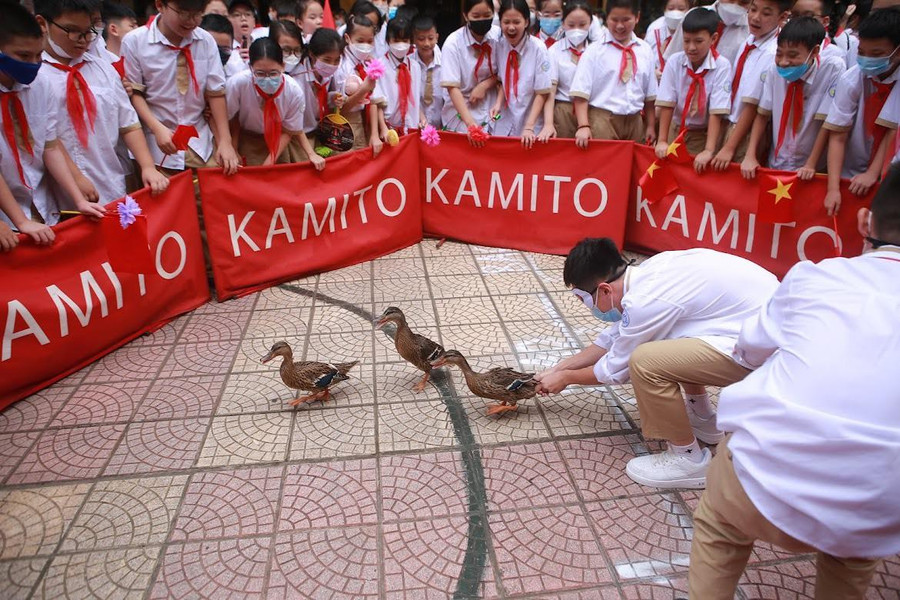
column 543, row 200
column 64, row 306
column 719, row 211
column 272, row 224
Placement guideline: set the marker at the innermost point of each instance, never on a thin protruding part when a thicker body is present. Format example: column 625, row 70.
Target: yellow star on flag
column 652, row 168
column 781, row 191
column 673, row 149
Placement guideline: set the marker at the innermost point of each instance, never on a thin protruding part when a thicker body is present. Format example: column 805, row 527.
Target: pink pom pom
column 375, row 69
column 430, row 136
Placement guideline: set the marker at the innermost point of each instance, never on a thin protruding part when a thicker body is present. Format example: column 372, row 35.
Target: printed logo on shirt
column 762, row 76
column 832, row 90
column 625, row 318
column 545, row 66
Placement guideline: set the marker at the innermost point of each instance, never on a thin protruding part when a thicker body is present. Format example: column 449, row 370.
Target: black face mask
column 224, row 54
column 481, row 27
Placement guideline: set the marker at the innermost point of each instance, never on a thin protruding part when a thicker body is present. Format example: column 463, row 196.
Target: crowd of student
column 93, row 103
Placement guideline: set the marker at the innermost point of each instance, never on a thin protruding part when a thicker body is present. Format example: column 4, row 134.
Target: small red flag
column 126, row 239
column 183, row 135
column 328, row 19
column 775, row 204
column 657, row 182
column 677, row 152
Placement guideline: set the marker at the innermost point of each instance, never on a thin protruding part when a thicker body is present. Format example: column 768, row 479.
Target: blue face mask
column 610, row 316
column 550, row 25
column 269, row 85
column 23, row 72
column 873, row 67
column 792, row 74
column 392, row 12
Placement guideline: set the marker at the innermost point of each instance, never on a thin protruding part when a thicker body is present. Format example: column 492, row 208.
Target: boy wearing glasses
column 92, row 108
column 676, row 319
column 175, row 70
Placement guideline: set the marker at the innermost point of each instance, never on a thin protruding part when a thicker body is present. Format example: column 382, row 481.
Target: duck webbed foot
column 323, row 396
column 497, row 409
column 424, row 381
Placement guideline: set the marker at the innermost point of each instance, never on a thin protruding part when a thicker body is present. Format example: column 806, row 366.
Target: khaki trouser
column 607, row 126
column 253, row 149
column 741, row 151
column 694, row 139
column 726, row 524
column 359, row 124
column 564, row 119
column 295, row 151
column 657, row 369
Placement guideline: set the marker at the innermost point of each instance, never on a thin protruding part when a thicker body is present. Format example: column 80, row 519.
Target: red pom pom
column 477, row 134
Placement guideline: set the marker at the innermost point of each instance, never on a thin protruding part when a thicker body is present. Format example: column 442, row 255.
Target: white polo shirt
column 889, row 117
column 245, row 102
column 816, row 428
column 819, row 83
column 234, row 65
column 658, row 37
column 695, row 293
column 849, row 44
column 433, row 110
column 388, row 88
column 534, row 79
column 847, row 114
column 115, row 117
column 731, row 42
column 597, row 77
column 563, row 63
column 458, row 71
column 758, row 61
column 346, row 68
column 152, row 67
column 675, row 83
column 39, row 100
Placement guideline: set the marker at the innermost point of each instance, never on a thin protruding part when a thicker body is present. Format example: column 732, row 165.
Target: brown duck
column 417, row 349
column 500, row 383
column 309, row 376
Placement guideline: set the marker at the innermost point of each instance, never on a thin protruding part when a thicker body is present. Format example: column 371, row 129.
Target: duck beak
column 380, row 323
column 439, row 362
column 267, row 357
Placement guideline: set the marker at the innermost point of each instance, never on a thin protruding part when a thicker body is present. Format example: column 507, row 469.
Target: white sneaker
column 669, row 470
column 706, row 429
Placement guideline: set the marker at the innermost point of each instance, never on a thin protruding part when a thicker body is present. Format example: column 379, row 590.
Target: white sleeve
column 232, row 97
column 451, row 71
column 583, row 80
column 543, row 83
column 667, row 93
column 760, row 334
column 767, row 95
column 720, row 96
column 644, row 320
column 292, row 120
column 846, row 102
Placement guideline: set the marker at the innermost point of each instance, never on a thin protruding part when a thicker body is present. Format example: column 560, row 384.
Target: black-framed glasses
column 298, row 52
column 75, row 35
column 185, row 15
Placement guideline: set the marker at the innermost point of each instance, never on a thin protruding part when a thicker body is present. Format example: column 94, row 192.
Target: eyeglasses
column 264, row 74
column 186, row 15
column 242, row 15
column 298, row 52
column 75, row 35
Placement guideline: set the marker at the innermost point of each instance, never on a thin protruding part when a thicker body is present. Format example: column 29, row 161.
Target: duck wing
column 428, row 349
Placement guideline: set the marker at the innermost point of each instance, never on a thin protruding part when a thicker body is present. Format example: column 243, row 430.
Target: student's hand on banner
column 832, row 202
column 702, row 160
column 90, row 209
column 549, row 131
column 9, row 239
column 582, row 137
column 862, row 183
column 377, row 145
column 317, row 161
column 41, row 234
column 806, row 173
column 156, row 181
column 722, row 159
column 228, row 159
column 650, row 136
column 749, row 167
column 87, row 188
column 662, row 148
column 528, row 138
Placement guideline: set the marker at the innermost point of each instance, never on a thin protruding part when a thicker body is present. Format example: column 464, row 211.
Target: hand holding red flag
column 182, row 136
column 677, row 152
column 657, row 182
column 775, row 204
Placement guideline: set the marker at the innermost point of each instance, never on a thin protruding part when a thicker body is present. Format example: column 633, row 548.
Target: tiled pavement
column 173, row 468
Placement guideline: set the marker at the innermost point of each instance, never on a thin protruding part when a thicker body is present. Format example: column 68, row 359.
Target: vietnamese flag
column 328, row 19
column 677, row 152
column 182, row 135
column 775, row 204
column 657, row 182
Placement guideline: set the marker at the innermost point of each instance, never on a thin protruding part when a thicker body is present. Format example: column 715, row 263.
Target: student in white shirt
column 222, row 32
column 799, row 79
column 401, row 85
column 812, row 462
column 732, row 31
column 90, row 127
column 659, row 32
column 694, row 93
column 242, row 14
column 24, row 201
column 764, row 18
column 428, row 55
column 524, row 71
column 168, row 93
column 361, row 106
column 119, row 20
column 856, row 147
column 265, row 108
column 564, row 58
column 310, row 15
column 614, row 86
column 818, row 10
column 469, row 71
column 675, row 320
column 550, row 18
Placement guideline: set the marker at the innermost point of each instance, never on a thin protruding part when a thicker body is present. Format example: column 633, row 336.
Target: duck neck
column 287, row 362
column 467, row 371
column 403, row 330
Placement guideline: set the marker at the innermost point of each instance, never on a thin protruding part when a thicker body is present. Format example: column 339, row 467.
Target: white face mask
column 57, row 50
column 732, row 14
column 291, row 62
column 673, row 18
column 576, row 36
column 400, row 50
column 362, row 51
column 324, row 70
